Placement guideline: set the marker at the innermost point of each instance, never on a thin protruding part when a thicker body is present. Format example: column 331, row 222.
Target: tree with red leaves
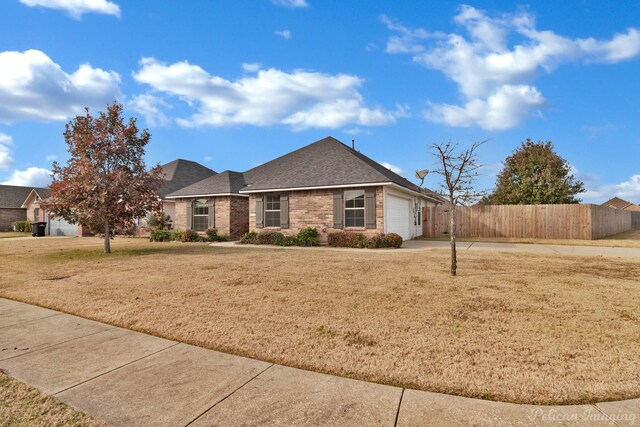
column 105, row 183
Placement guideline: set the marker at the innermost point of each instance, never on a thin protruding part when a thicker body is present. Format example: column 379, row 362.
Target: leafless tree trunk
column 107, row 241
column 452, row 233
column 459, row 170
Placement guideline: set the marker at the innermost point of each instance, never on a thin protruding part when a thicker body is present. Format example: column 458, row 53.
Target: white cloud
column 628, row 190
column 285, row 34
column 31, row 177
column 149, row 106
column 251, row 67
column 76, row 8
column 207, row 158
column 393, row 168
column 33, row 87
column 300, row 99
column 595, row 131
column 504, row 109
column 51, row 157
column 408, row 39
column 291, row 3
column 6, row 161
column 490, row 72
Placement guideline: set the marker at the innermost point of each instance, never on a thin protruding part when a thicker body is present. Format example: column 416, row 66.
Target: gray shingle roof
column 326, row 162
column 182, row 173
column 222, row 183
column 12, row 196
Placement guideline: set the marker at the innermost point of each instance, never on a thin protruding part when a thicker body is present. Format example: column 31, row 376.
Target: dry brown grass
column 24, row 406
column 526, row 328
column 628, row 239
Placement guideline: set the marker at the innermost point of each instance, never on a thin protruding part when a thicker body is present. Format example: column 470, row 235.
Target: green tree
column 535, row 174
column 105, row 183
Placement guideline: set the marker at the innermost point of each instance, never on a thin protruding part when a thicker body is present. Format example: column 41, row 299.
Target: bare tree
column 459, row 168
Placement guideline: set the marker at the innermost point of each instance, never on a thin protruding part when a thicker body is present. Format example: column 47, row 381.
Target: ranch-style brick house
column 326, row 185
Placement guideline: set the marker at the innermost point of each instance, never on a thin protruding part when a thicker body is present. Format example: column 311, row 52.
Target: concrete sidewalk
column 129, row 379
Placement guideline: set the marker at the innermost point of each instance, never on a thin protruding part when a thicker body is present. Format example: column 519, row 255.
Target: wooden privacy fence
column 586, row 222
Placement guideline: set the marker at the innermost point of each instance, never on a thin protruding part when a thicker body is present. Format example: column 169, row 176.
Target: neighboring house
column 326, row 185
column 618, row 203
column 11, row 210
column 55, row 226
column 179, row 174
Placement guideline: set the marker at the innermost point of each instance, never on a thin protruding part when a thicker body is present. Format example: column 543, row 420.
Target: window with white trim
column 354, row 208
column 200, row 215
column 272, row 211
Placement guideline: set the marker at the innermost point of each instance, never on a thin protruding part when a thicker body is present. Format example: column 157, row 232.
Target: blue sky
column 232, row 84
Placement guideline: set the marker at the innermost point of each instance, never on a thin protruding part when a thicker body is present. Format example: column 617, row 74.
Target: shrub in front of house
column 212, row 235
column 349, row 239
column 189, row 235
column 176, row 235
column 305, row 237
column 393, row 240
column 249, row 238
column 160, row 236
column 22, row 226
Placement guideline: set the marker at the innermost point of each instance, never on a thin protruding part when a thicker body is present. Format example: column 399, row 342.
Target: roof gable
column 327, row 162
column 181, row 173
column 13, row 196
column 227, row 182
column 618, row 203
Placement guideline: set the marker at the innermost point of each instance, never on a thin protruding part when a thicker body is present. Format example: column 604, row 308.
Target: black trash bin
column 38, row 228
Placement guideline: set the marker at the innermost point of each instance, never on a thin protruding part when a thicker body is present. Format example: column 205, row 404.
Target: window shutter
column 189, row 215
column 284, row 211
column 211, row 203
column 370, row 207
column 338, row 209
column 260, row 211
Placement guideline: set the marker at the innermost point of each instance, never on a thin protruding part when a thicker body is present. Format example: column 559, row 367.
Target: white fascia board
column 205, row 195
column 323, row 187
column 24, row 204
column 415, row 193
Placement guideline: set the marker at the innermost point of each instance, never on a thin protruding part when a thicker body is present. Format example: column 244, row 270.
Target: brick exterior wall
column 314, row 208
column 10, row 215
column 231, row 215
column 239, row 217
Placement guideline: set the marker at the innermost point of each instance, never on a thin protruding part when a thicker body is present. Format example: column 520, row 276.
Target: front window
column 272, row 211
column 36, row 214
column 200, row 215
column 354, row 208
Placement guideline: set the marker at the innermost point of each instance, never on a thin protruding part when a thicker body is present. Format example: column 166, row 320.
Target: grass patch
column 518, row 327
column 22, row 406
column 11, row 234
column 628, row 239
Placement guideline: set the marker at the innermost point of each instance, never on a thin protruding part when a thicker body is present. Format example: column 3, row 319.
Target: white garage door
column 60, row 227
column 398, row 216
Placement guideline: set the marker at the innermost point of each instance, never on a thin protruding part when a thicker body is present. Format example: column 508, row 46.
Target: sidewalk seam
column 58, row 343
column 395, row 423
column 32, row 320
column 114, row 369
column 606, row 415
column 228, row 395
